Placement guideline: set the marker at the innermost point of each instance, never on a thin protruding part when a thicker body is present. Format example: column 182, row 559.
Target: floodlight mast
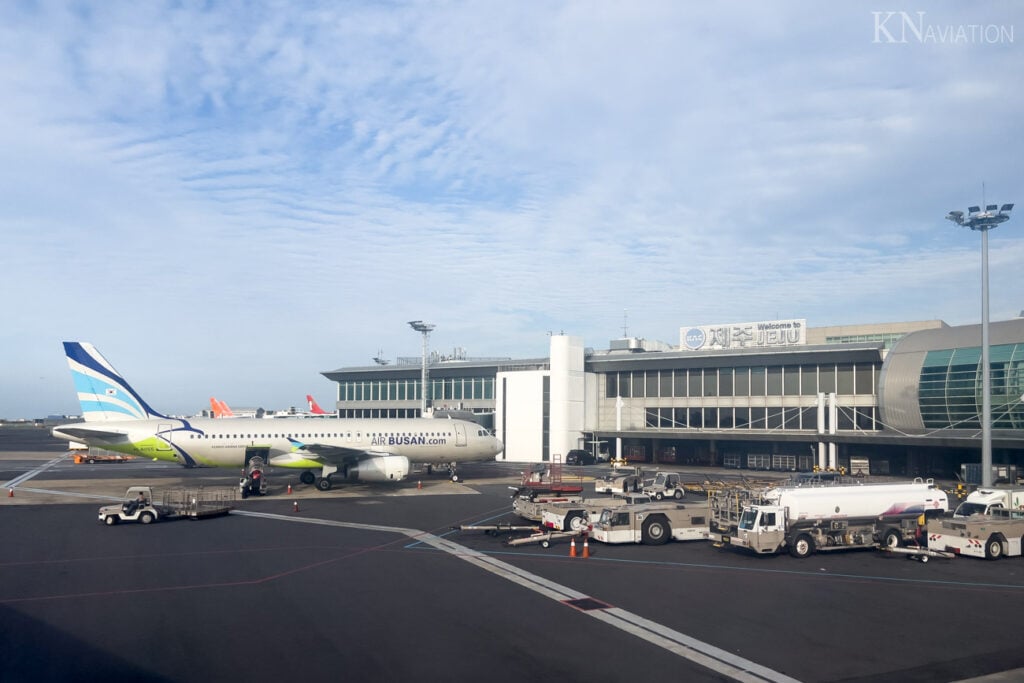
column 983, row 221
column 424, row 329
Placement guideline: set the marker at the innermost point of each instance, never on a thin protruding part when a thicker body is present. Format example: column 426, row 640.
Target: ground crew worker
column 136, row 504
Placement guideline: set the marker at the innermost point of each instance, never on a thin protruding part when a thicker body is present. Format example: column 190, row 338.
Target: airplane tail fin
column 103, row 393
column 225, row 410
column 314, row 407
column 217, row 407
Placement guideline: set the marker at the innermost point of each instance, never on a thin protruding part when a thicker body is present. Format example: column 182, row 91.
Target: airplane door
column 257, row 452
column 460, row 434
column 166, row 431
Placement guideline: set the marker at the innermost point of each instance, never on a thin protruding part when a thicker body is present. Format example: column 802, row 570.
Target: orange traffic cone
column 10, row 493
column 419, row 484
column 586, row 547
column 295, row 506
column 572, row 548
column 289, row 489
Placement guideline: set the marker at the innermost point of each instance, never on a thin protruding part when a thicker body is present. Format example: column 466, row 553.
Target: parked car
column 578, row 456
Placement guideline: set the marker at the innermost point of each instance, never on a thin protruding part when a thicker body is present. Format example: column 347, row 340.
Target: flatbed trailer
column 546, row 481
column 93, row 458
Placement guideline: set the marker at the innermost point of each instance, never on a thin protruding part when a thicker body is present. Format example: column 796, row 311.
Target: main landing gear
column 452, row 472
column 324, row 482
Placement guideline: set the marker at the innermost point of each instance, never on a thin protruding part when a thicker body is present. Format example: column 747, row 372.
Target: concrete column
column 822, row 462
column 833, row 418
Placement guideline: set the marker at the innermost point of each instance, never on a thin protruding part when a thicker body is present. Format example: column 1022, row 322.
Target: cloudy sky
column 229, row 198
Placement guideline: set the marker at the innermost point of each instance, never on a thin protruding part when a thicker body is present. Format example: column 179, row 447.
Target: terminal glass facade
column 441, row 389
column 781, row 397
column 950, row 385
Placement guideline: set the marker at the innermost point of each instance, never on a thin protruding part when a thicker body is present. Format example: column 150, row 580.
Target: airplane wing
column 333, row 455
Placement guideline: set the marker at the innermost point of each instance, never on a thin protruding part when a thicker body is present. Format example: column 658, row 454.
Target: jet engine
column 380, row 468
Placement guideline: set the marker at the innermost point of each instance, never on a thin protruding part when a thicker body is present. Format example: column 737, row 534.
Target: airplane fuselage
column 226, row 443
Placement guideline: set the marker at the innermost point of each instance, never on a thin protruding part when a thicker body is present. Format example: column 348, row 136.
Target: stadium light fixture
column 424, row 329
column 983, row 221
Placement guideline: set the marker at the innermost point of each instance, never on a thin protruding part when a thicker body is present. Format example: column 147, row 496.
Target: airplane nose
column 498, row 446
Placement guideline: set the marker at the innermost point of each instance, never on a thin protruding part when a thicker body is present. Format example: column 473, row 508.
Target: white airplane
column 118, row 419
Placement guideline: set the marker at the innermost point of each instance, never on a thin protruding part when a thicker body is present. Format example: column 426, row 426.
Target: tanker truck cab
column 762, row 528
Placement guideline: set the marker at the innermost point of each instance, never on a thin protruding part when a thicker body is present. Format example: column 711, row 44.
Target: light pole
column 983, row 221
column 424, row 329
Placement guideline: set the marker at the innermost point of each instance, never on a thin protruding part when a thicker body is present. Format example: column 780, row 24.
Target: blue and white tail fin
column 105, row 395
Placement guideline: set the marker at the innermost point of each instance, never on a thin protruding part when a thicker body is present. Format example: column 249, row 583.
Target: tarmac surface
column 370, row 583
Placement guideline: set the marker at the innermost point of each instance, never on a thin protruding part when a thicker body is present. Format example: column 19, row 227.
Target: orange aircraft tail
column 220, row 408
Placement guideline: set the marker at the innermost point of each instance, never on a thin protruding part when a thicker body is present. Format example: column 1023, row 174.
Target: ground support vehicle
column 666, row 485
column 543, row 538
column 988, row 536
column 92, row 458
column 531, row 505
column 984, row 501
column 916, row 552
column 576, row 516
column 803, row 520
column 496, row 529
column 140, row 504
column 254, row 481
column 621, row 480
column 651, row 523
column 546, row 480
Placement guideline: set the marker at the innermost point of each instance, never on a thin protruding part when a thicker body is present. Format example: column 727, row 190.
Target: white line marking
column 13, row 483
column 69, row 494
column 680, row 644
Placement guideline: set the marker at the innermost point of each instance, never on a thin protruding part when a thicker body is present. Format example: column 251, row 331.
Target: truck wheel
column 659, row 495
column 654, row 532
column 993, row 547
column 573, row 522
column 110, row 520
column 545, row 543
column 801, row 546
column 146, row 517
column 891, row 539
column 678, row 494
column 307, row 478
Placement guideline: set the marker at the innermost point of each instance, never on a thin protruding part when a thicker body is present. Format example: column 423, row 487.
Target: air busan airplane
column 118, row 419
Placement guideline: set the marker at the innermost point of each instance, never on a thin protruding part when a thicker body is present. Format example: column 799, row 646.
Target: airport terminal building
column 895, row 398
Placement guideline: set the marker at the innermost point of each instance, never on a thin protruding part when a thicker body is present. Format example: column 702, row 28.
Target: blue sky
column 229, row 198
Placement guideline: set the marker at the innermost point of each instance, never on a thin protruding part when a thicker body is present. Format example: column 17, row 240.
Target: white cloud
column 251, row 194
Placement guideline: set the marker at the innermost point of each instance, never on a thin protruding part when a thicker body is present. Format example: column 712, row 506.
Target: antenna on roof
column 625, row 323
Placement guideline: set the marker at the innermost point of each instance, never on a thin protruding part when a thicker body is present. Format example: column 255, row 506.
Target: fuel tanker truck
column 806, row 519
